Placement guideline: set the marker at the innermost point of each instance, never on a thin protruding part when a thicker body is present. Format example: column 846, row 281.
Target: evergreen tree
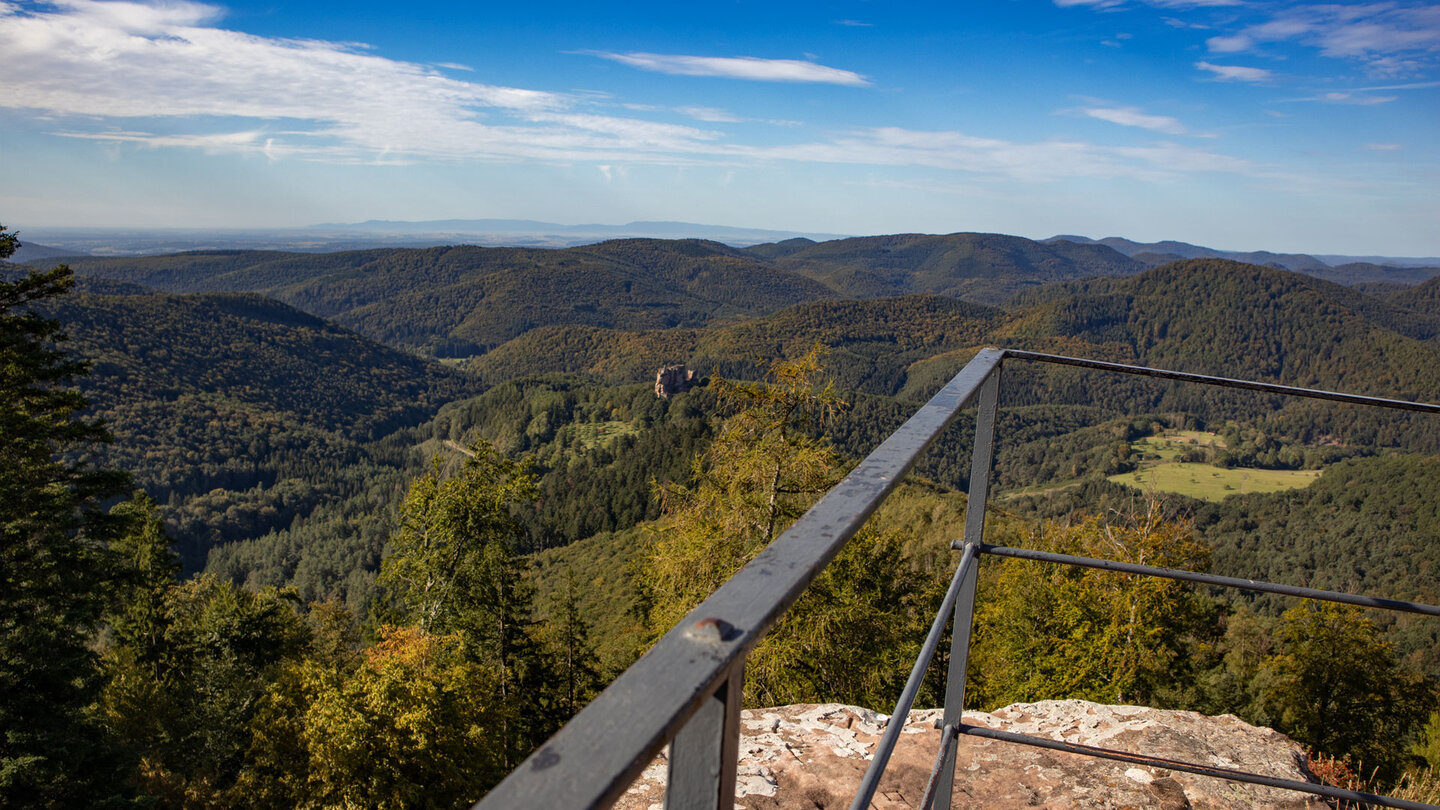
column 53, row 563
column 576, row 669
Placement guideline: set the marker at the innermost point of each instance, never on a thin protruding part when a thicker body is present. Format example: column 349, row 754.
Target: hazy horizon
column 1289, row 127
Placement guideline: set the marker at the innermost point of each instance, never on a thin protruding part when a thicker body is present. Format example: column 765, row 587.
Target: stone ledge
column 812, row 756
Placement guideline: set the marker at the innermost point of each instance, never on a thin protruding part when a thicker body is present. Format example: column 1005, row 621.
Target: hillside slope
column 870, row 343
column 980, row 267
column 238, row 411
column 465, row 300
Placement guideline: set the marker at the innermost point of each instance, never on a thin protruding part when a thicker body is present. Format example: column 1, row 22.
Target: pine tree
column 53, row 562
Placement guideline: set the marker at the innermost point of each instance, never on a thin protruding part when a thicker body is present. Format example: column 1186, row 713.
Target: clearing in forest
column 1162, row 470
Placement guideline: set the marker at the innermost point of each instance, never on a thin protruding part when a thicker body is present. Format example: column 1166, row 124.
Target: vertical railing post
column 703, row 754
column 980, row 465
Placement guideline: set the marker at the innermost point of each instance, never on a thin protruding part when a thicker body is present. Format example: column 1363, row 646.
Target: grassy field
column 600, row 434
column 1210, row 483
column 1173, row 444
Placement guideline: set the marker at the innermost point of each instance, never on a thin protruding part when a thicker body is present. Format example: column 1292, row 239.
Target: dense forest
column 294, row 559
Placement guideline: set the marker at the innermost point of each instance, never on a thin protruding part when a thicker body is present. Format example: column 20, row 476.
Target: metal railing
column 686, row 691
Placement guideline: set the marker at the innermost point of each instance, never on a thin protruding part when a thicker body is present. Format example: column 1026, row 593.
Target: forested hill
column 253, row 350
column 1423, row 298
column 869, row 343
column 1209, row 316
column 241, row 412
column 982, row 267
column 1221, row 317
column 465, row 300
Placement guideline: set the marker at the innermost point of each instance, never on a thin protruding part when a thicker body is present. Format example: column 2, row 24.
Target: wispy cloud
column 855, row 24
column 750, row 68
column 1390, row 38
column 163, row 76
column 1384, row 147
column 1134, row 117
column 1406, row 86
column 80, row 60
column 1055, row 159
column 1236, row 73
column 1336, row 97
column 710, row 114
column 1176, row 4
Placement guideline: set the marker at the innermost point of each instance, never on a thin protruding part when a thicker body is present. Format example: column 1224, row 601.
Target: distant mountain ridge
column 1158, row 253
column 592, row 231
column 466, row 300
column 497, row 232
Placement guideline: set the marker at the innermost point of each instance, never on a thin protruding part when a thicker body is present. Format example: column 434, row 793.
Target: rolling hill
column 240, row 412
column 979, row 267
column 466, row 300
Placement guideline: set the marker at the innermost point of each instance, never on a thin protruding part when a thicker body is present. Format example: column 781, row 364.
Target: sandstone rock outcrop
column 672, row 380
column 809, row 757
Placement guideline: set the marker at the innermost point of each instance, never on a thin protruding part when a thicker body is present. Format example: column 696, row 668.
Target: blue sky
column 1231, row 123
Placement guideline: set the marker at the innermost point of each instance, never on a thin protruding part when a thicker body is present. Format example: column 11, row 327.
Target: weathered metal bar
column 1200, row 770
column 947, row 748
column 704, row 754
column 590, row 762
column 982, row 464
column 1212, row 579
column 886, row 746
column 1224, row 382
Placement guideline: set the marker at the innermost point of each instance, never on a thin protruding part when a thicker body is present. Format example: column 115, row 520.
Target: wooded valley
column 392, row 516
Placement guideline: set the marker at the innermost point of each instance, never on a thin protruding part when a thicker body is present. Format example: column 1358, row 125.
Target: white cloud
column 81, row 60
column 1133, row 117
column 854, row 24
column 1384, row 147
column 1055, row 159
column 1390, row 38
column 93, row 58
column 1407, row 86
column 1231, row 44
column 739, row 67
column 132, row 76
column 710, row 114
column 1111, row 4
column 1351, row 98
column 1236, row 73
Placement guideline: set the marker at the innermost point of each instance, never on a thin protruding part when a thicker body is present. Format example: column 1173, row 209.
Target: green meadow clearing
column 1163, row 471
column 1209, row 483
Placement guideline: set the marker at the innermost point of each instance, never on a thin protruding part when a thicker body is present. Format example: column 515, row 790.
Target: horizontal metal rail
column 685, row 690
column 896, row 726
column 1190, row 767
column 592, row 760
column 1211, row 579
column 1223, row 382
